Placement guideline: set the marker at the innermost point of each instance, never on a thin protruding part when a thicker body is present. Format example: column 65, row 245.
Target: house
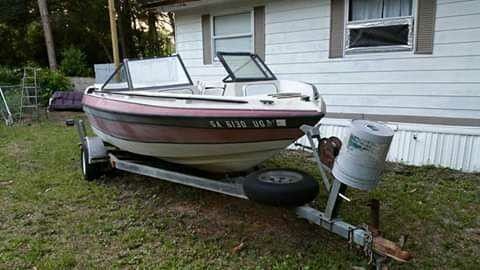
column 412, row 63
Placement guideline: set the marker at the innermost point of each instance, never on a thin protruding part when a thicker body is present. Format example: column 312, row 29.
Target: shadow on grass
column 50, row 218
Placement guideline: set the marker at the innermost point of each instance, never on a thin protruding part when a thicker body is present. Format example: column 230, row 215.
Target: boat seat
column 210, row 89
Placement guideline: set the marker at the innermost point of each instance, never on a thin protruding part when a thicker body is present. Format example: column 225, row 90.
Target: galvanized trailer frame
column 378, row 249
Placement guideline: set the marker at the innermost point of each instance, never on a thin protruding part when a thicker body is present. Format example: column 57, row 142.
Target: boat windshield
column 149, row 74
column 243, row 67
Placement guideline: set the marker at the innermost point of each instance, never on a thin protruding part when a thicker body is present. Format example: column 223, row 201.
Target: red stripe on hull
column 107, row 104
column 168, row 134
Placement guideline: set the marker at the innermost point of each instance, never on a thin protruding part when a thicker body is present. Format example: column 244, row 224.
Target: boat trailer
column 378, row 249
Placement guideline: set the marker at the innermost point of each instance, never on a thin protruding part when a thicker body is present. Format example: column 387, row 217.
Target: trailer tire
column 281, row 187
column 90, row 171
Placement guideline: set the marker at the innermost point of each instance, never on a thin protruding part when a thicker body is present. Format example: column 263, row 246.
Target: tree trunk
column 153, row 42
column 171, row 19
column 52, row 60
column 113, row 30
column 121, row 32
column 172, row 42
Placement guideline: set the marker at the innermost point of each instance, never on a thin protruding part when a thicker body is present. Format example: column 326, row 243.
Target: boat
column 151, row 107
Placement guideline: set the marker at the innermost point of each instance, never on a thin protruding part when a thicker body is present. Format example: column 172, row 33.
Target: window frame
column 213, row 37
column 129, row 81
column 389, row 21
column 231, row 77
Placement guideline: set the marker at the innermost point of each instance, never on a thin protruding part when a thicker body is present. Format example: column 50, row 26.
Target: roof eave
column 170, row 5
column 174, row 5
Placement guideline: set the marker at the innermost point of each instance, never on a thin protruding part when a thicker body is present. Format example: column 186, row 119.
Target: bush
column 74, row 63
column 10, row 76
column 51, row 81
column 48, row 81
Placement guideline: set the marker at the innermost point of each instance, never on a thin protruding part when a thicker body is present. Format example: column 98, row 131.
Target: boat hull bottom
column 219, row 158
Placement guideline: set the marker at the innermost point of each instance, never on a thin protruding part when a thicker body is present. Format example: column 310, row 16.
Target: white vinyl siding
column 444, row 84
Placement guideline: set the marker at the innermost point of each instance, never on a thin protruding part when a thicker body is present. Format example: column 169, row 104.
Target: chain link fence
column 13, row 99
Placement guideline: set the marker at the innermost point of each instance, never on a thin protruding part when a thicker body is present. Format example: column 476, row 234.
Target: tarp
column 66, row 101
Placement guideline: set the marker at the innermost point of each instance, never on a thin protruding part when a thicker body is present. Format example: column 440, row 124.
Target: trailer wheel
column 281, row 187
column 90, row 171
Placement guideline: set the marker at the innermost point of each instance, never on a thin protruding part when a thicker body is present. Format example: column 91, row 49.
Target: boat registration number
column 264, row 123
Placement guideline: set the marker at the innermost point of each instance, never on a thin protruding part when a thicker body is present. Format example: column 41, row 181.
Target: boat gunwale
column 183, row 121
column 107, row 99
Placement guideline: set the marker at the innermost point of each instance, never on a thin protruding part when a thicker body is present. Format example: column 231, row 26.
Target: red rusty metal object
column 328, row 150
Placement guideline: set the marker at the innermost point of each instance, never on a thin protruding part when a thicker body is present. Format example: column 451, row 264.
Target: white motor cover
column 362, row 158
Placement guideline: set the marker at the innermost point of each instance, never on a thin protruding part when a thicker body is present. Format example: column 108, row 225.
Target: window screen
column 379, row 36
column 379, row 24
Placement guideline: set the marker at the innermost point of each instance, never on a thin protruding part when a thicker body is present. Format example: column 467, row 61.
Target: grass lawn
column 52, row 219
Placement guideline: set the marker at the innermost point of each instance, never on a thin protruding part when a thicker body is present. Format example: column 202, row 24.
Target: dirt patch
column 61, row 116
column 18, row 150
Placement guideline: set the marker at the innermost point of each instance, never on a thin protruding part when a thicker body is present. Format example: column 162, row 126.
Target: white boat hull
column 225, row 157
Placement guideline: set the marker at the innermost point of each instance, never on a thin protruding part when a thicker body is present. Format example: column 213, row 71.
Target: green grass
column 52, row 219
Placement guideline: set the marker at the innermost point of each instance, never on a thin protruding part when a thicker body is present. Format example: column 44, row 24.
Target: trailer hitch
column 377, row 248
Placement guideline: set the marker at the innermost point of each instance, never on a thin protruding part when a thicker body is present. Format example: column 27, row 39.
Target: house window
column 379, row 25
column 232, row 33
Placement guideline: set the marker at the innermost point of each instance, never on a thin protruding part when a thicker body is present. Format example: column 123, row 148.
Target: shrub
column 51, row 81
column 48, row 81
column 10, row 75
column 74, row 63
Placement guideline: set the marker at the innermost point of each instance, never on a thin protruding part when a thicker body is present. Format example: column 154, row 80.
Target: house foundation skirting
column 454, row 147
